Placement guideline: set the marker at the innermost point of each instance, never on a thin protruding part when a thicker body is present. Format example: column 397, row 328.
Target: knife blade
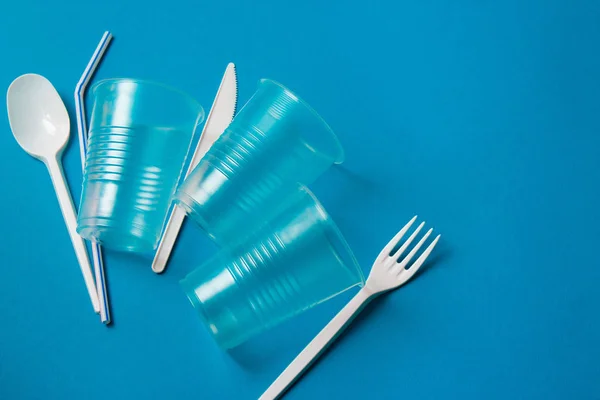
column 219, row 117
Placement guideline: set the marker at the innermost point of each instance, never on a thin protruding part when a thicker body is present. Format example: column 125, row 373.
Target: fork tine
column 412, row 253
column 405, row 245
column 392, row 243
column 406, row 274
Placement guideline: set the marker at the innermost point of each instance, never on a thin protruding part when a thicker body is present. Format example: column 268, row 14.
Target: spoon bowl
column 38, row 117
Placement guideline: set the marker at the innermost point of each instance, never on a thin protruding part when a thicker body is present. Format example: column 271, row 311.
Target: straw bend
column 82, row 136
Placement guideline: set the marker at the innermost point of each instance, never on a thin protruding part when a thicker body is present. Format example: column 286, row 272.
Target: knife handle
column 168, row 239
column 210, row 133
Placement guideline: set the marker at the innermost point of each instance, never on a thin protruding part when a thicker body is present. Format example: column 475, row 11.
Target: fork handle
column 318, row 345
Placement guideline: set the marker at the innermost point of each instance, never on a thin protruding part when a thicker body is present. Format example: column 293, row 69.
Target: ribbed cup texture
column 128, row 184
column 238, row 159
column 112, row 158
column 261, row 157
column 271, row 292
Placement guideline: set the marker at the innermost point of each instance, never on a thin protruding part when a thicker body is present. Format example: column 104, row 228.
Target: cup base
column 114, row 237
column 221, row 338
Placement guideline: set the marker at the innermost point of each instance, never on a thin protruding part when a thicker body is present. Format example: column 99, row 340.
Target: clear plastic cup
column 293, row 262
column 140, row 134
column 276, row 142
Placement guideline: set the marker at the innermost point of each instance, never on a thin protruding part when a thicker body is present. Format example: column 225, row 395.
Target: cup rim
column 335, row 140
column 136, row 81
column 339, row 241
column 89, row 228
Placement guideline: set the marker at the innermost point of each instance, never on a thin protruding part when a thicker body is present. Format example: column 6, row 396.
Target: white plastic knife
column 219, row 118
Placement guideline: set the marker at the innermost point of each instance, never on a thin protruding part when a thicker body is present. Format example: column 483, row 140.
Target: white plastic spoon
column 40, row 123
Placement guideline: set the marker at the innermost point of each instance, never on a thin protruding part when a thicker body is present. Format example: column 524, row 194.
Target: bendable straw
column 82, row 134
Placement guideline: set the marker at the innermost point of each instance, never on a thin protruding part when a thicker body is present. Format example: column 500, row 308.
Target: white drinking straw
column 82, row 134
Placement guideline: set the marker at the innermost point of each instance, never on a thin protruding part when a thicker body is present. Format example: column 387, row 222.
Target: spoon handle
column 68, row 211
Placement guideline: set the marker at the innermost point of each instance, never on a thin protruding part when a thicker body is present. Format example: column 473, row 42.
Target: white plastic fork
column 389, row 272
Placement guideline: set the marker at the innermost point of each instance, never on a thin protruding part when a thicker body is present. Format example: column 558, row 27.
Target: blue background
column 480, row 116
